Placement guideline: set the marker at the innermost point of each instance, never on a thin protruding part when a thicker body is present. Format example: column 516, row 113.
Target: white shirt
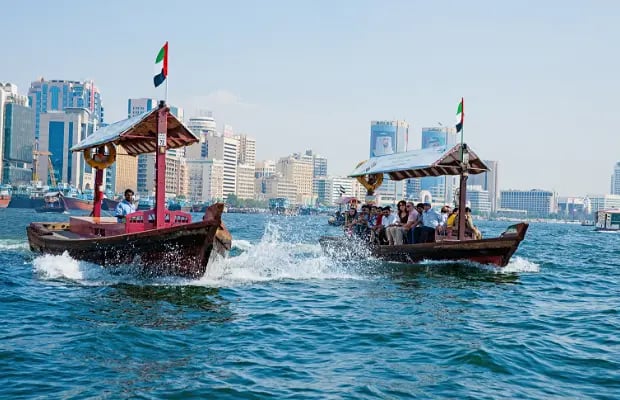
column 388, row 219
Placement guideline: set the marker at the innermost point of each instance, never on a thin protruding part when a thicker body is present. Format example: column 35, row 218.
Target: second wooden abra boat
column 459, row 160
column 159, row 241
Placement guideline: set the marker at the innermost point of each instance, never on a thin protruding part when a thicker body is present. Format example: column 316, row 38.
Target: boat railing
column 140, row 221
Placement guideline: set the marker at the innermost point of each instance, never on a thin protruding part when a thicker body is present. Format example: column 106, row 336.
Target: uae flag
column 459, row 117
column 161, row 65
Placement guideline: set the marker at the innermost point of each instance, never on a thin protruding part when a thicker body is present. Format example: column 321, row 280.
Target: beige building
column 245, row 181
column 276, row 186
column 123, row 173
column 206, row 180
column 300, row 172
column 225, row 148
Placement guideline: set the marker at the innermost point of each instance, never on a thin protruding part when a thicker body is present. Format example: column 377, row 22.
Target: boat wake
column 270, row 259
column 12, row 244
column 519, row 264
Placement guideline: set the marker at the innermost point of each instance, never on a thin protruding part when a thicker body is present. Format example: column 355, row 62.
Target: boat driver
column 125, row 206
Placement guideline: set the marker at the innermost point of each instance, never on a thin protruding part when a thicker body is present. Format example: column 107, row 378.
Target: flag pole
column 462, row 126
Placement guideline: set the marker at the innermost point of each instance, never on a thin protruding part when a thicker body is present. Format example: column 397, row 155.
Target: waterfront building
column 202, row 126
column 478, row 199
column 246, row 166
column 245, row 181
column 265, row 169
column 13, row 125
column 332, row 188
column 144, row 164
column 59, row 131
column 488, row 181
column 599, row 202
column 442, row 188
column 537, row 202
column 615, row 179
column 206, row 180
column 16, row 136
column 225, row 148
column 276, row 186
column 57, row 95
column 297, row 168
column 573, row 208
column 389, row 137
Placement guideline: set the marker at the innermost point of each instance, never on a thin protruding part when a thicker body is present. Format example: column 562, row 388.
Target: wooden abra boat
column 159, row 241
column 459, row 160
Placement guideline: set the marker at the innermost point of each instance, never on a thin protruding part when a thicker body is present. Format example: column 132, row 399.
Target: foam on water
column 272, row 259
column 13, row 244
column 519, row 264
column 269, row 259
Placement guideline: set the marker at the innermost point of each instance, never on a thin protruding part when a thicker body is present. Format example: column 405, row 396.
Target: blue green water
column 280, row 320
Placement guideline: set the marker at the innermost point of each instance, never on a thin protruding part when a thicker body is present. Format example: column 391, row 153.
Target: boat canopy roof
column 436, row 161
column 138, row 135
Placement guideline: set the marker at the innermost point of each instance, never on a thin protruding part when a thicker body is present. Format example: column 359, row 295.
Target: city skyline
column 291, row 75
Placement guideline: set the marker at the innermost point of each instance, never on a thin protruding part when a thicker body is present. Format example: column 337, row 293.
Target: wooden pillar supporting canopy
column 463, row 190
column 98, row 193
column 160, row 165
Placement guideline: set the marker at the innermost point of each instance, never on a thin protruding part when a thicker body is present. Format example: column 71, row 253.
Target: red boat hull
column 4, row 201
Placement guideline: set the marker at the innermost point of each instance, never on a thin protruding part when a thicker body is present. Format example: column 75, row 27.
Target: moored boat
column 459, row 160
column 53, row 202
column 5, row 195
column 608, row 220
column 158, row 241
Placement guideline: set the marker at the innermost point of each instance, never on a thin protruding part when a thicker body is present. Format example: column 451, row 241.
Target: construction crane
column 35, row 164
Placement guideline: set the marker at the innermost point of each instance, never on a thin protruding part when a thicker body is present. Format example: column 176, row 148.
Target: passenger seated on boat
column 375, row 226
column 349, row 220
column 361, row 223
column 469, row 225
column 443, row 227
column 471, row 231
column 125, row 206
column 388, row 220
column 402, row 232
column 430, row 221
column 393, row 231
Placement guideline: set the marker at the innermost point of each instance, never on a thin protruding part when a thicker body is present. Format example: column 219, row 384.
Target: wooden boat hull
column 493, row 251
column 74, row 203
column 182, row 250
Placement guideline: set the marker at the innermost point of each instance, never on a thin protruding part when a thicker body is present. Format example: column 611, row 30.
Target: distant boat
column 5, row 195
column 608, row 220
column 587, row 223
column 53, row 203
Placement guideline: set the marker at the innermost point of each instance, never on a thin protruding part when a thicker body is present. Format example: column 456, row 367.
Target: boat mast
column 98, row 193
column 463, row 191
column 160, row 164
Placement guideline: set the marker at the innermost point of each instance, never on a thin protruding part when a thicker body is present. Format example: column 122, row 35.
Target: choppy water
column 280, row 320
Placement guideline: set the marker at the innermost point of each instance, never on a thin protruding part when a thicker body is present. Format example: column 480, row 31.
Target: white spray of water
column 11, row 244
column 519, row 264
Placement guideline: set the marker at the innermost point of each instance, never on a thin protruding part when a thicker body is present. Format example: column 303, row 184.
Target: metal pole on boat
column 160, row 164
column 463, row 178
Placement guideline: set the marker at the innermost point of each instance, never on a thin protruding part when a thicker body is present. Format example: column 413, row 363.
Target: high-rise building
column 57, row 95
column 203, row 127
column 488, row 181
column 145, row 163
column 224, row 148
column 246, row 166
column 265, row 169
column 615, row 179
column 478, row 199
column 441, row 187
column 15, row 130
column 597, row 202
column 60, row 130
column 298, row 169
column 206, row 182
column 388, row 137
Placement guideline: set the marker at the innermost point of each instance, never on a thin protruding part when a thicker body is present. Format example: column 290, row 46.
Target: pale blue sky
column 540, row 78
